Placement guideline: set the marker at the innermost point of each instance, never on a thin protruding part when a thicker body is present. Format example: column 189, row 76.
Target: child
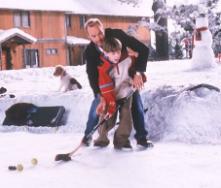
column 116, row 90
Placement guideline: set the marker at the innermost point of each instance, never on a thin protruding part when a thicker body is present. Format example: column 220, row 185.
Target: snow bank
column 186, row 116
column 174, row 114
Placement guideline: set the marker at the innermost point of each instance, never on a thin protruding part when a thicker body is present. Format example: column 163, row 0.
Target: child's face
column 114, row 57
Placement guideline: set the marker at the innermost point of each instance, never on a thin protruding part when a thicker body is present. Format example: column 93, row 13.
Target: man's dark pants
column 137, row 114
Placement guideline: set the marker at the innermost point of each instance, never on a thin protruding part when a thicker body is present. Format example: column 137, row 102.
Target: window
column 68, row 20
column 17, row 20
column 31, row 58
column 22, row 19
column 51, row 51
column 82, row 21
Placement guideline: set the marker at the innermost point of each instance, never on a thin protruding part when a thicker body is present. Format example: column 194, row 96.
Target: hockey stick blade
column 67, row 157
column 63, row 157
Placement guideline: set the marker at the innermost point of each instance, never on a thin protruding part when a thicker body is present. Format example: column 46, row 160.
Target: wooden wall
column 113, row 22
column 143, row 34
column 48, row 28
column 50, row 31
column 6, row 19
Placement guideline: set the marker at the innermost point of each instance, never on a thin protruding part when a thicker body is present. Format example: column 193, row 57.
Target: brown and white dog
column 67, row 82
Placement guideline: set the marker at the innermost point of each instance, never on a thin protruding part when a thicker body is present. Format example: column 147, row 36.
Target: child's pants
column 123, row 131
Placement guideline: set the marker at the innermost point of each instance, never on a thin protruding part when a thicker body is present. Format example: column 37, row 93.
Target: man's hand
column 132, row 53
column 138, row 81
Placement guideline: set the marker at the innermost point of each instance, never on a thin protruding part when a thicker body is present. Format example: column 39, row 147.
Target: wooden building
column 46, row 33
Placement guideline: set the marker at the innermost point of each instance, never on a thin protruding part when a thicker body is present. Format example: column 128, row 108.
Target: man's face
column 96, row 34
column 114, row 57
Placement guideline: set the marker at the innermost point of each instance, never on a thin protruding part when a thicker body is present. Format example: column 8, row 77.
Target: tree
column 184, row 16
column 162, row 34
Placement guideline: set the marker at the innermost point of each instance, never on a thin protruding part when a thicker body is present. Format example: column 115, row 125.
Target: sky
column 184, row 125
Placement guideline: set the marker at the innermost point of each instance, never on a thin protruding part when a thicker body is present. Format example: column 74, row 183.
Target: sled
column 208, row 86
column 29, row 114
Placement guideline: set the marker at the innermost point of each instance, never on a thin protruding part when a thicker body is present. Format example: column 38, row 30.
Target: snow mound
column 190, row 116
column 174, row 112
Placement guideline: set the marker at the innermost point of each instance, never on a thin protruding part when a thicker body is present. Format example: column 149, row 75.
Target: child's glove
column 101, row 106
column 110, row 103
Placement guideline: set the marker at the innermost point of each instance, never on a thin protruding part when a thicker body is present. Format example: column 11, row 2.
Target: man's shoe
column 87, row 140
column 101, row 143
column 145, row 143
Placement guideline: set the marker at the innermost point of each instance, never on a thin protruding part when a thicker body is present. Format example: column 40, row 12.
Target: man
column 97, row 33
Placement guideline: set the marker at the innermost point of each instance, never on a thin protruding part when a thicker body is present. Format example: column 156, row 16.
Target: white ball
column 34, row 161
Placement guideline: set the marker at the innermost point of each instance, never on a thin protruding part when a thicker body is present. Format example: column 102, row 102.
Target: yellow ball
column 34, row 161
column 19, row 167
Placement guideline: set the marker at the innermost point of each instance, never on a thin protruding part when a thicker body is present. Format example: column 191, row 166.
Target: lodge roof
column 71, row 40
column 83, row 7
column 16, row 34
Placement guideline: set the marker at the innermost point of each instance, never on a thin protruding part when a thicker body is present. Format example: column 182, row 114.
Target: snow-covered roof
column 76, row 41
column 15, row 32
column 182, row 2
column 86, row 7
column 195, row 2
column 218, row 8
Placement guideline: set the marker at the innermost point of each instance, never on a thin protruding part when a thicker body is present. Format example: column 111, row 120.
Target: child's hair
column 112, row 45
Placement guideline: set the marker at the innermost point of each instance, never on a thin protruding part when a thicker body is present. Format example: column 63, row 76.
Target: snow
column 9, row 33
column 181, row 2
column 218, row 7
column 77, row 41
column 184, row 125
column 110, row 7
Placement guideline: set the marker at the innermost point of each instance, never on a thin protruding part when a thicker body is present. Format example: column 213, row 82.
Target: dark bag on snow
column 29, row 114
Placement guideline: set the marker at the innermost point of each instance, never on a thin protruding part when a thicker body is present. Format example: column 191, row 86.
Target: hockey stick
column 67, row 156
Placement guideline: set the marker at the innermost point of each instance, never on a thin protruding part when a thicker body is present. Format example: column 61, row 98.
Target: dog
column 67, row 83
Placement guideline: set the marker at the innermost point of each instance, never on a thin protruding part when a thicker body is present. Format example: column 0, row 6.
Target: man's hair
column 92, row 22
column 112, row 45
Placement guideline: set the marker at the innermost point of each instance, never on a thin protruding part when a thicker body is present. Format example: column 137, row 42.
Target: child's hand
column 101, row 106
column 111, row 109
column 110, row 102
